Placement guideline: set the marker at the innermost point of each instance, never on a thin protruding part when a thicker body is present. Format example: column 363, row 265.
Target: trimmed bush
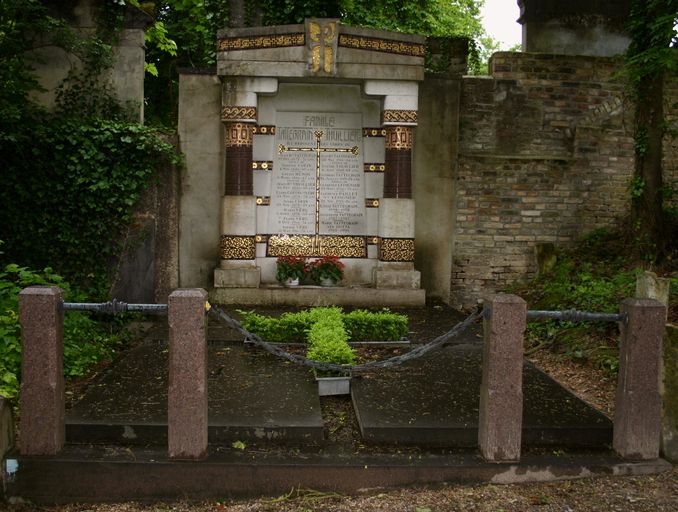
column 361, row 325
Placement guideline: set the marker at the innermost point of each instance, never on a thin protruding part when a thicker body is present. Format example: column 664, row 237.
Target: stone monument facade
column 318, row 122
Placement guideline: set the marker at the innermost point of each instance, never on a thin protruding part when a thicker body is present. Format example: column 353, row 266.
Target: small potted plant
column 290, row 270
column 326, row 271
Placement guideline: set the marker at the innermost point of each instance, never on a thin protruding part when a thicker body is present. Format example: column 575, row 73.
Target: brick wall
column 545, row 155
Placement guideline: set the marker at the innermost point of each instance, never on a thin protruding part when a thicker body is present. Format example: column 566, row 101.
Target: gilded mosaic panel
column 322, row 45
column 398, row 137
column 371, row 202
column 400, row 116
column 237, row 247
column 238, row 134
column 321, row 245
column 236, row 113
column 263, row 200
column 263, row 165
column 374, row 167
column 374, row 132
column 264, row 129
column 382, row 45
column 255, row 42
column 396, row 249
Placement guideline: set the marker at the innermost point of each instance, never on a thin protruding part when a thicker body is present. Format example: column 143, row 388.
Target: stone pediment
column 320, row 48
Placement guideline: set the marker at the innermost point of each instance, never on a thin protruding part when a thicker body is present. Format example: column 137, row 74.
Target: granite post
column 501, row 392
column 187, row 394
column 42, row 396
column 638, row 408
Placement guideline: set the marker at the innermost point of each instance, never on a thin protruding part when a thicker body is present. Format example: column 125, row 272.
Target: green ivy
column 69, row 190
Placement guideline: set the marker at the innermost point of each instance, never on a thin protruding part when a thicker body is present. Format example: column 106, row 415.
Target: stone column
column 187, row 393
column 501, row 392
column 638, row 406
column 237, row 246
column 42, row 399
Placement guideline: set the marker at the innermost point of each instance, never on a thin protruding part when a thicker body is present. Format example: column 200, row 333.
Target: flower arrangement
column 326, row 268
column 290, row 268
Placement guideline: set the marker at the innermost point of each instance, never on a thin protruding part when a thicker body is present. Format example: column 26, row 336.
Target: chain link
column 277, row 351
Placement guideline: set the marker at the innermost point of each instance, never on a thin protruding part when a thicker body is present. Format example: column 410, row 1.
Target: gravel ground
column 657, row 493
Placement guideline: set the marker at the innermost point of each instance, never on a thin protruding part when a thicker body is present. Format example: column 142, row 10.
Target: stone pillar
column 501, row 392
column 649, row 286
column 237, row 246
column 187, row 393
column 637, row 416
column 42, row 399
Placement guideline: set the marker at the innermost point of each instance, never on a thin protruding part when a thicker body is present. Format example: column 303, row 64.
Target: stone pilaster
column 237, row 245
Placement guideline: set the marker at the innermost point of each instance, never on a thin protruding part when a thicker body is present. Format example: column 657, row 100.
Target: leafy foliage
column 69, row 190
column 86, row 341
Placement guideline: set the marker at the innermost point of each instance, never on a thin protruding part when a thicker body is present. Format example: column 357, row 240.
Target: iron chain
column 277, row 351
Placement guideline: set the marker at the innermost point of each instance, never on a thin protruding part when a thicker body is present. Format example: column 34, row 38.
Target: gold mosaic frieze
column 398, row 137
column 226, row 44
column 374, row 132
column 371, row 202
column 317, row 245
column 374, row 167
column 238, row 134
column 237, row 113
column 400, row 116
column 261, row 165
column 396, row 249
column 237, row 247
column 372, row 240
column 382, row 45
column 261, row 239
column 264, row 129
column 263, row 200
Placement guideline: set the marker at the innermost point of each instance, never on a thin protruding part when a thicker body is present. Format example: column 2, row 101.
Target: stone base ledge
column 237, row 277
column 319, row 296
column 407, row 279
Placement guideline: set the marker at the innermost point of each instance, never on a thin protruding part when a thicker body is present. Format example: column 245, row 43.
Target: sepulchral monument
column 318, row 123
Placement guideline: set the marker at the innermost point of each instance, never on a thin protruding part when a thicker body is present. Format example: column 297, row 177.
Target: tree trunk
column 236, row 10
column 648, row 207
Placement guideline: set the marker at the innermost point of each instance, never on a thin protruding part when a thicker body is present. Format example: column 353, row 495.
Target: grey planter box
column 328, row 386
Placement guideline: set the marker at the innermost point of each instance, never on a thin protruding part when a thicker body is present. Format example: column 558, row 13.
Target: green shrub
column 384, row 325
column 328, row 340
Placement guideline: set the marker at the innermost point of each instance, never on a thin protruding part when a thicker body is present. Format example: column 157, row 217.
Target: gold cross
column 317, row 149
